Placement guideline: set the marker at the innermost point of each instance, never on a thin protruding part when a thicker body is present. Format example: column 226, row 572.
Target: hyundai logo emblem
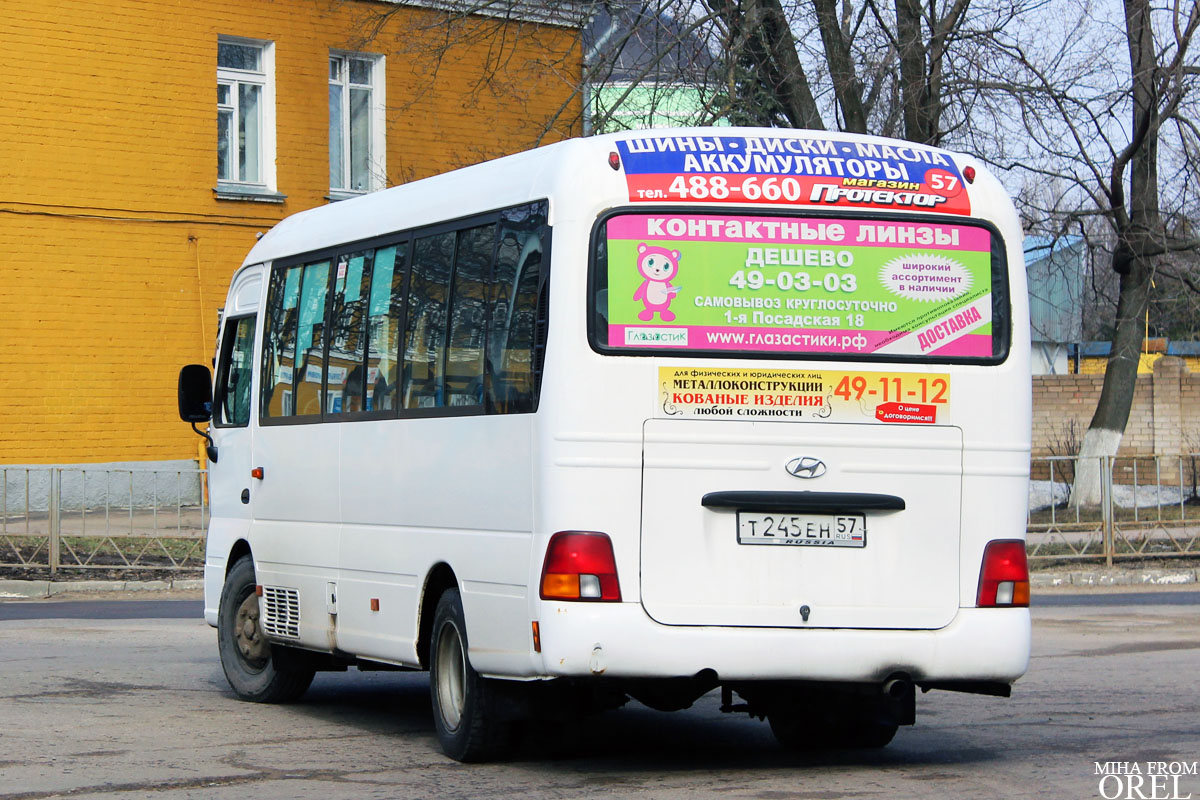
column 805, row 467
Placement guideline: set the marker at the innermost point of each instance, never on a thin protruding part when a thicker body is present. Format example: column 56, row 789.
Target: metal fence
column 102, row 519
column 1144, row 506
column 81, row 519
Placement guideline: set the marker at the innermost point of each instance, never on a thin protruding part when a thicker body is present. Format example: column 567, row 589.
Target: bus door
column 229, row 476
column 295, row 456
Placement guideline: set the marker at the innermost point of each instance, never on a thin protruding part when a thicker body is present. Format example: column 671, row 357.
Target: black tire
column 468, row 728
column 797, row 730
column 246, row 654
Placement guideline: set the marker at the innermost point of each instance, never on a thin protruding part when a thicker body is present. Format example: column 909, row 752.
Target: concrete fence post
column 1107, row 507
column 54, row 519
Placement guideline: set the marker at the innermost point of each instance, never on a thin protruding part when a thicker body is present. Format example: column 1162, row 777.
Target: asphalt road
column 102, row 609
column 136, row 706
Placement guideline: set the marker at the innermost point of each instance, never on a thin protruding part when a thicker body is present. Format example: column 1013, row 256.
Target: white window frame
column 377, row 159
column 228, row 188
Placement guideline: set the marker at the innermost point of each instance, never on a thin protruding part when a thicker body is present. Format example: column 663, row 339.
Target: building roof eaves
column 565, row 13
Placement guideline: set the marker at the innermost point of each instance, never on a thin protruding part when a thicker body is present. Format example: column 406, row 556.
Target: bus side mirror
column 195, row 393
column 196, row 401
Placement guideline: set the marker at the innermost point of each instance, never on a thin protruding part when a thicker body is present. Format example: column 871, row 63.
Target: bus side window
column 310, row 341
column 345, row 372
column 234, row 373
column 468, row 316
column 294, row 341
column 279, row 343
column 514, row 312
column 383, row 326
column 425, row 329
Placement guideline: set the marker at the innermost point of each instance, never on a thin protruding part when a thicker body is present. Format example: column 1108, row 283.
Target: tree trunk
column 760, row 38
column 1137, row 245
column 847, row 88
column 790, row 83
column 1103, row 436
column 913, row 88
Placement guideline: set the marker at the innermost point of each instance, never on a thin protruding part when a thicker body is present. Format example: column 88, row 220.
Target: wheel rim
column 451, row 677
column 247, row 635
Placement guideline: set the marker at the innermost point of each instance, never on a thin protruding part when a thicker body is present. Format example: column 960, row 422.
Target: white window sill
column 342, row 194
column 253, row 194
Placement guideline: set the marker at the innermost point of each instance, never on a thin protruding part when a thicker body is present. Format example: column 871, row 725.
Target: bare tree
column 896, row 71
column 905, row 69
column 509, row 56
column 1096, row 129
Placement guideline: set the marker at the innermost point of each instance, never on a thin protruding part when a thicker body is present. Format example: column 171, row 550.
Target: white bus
column 642, row 415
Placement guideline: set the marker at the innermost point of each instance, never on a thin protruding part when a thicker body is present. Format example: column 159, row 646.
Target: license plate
column 803, row 530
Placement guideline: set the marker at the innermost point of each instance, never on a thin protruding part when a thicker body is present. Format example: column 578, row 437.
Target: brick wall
column 1164, row 418
column 116, row 253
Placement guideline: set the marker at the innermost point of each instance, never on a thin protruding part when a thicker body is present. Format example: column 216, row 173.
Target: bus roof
column 832, row 170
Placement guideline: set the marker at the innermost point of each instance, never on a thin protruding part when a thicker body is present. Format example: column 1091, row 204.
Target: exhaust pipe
column 897, row 688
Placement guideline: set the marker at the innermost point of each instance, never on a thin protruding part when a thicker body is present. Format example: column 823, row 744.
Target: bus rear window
column 775, row 286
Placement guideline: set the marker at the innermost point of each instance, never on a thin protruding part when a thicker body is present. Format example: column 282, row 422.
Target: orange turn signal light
column 556, row 585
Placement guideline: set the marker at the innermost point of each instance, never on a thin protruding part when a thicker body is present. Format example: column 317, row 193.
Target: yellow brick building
column 123, row 210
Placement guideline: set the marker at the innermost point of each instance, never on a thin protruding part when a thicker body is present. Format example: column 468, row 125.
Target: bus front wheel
column 246, row 655
column 467, row 727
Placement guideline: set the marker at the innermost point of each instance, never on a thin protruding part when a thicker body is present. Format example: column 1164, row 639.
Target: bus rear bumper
column 985, row 645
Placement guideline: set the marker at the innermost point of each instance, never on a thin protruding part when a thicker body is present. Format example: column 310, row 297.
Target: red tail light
column 580, row 566
column 1004, row 576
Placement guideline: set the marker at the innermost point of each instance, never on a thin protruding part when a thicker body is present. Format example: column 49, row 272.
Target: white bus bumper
column 621, row 641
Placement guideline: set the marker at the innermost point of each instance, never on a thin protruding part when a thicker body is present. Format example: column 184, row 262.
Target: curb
column 1084, row 579
column 11, row 590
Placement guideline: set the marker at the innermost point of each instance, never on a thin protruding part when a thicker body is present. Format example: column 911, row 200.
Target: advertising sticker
column 777, row 285
column 793, row 169
column 809, row 395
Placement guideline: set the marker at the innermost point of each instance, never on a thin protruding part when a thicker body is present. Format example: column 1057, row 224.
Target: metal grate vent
column 281, row 613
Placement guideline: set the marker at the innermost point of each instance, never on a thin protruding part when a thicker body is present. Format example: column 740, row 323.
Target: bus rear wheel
column 463, row 715
column 246, row 655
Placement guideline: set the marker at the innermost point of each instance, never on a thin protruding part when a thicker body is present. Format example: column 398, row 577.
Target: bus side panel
column 417, row 493
column 998, row 440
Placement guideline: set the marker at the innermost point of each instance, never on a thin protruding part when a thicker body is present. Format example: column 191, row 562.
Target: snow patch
column 1043, row 494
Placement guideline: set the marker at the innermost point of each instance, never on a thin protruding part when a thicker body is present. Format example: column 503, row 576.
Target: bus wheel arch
column 240, row 550
column 440, row 578
column 466, row 715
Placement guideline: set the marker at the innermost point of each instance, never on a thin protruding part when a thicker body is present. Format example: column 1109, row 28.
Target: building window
column 356, row 124
column 245, row 114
